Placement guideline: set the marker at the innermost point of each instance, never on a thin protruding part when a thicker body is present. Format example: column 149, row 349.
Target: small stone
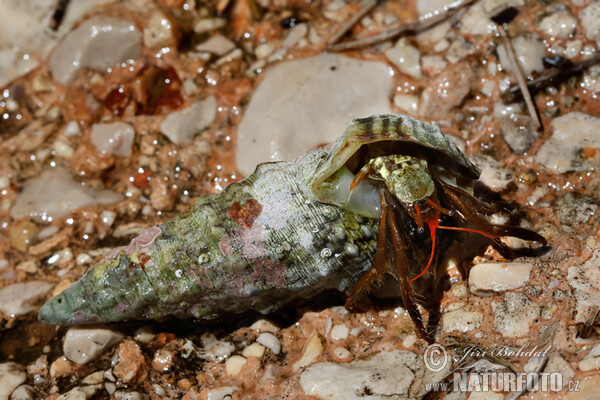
column 574, row 209
column 486, row 278
column 83, row 345
column 406, row 58
column 94, row 378
column 263, row 325
column 44, row 202
column 221, row 393
column 72, row 129
column 11, row 376
column 113, row 138
column 313, row 349
column 23, row 392
column 558, row 364
column 28, row 266
column 518, row 132
column 269, row 341
column 263, row 50
column 342, row 353
column 22, row 235
column 339, row 332
column 530, row 52
column 218, row 45
column 573, row 143
column 80, row 393
column 590, row 19
column 463, row 320
column 295, row 35
column 234, row 365
column 216, row 350
column 98, row 43
column 573, row 48
column 131, row 367
column 513, row 318
column 407, row 102
column 209, row 24
column 22, row 298
column 163, row 360
column 592, row 360
column 254, row 350
column 181, row 126
column 493, row 174
column 561, row 24
column 446, row 91
column 123, row 395
column 433, row 65
column 61, row 367
column 144, row 334
column 160, row 31
column 396, row 374
column 476, row 21
column 63, row 149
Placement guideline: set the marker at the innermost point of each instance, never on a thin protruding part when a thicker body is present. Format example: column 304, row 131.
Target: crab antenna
column 357, row 178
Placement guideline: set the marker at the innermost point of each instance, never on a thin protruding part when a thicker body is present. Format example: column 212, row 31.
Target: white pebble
column 113, row 138
column 108, row 217
column 489, row 277
column 342, row 353
column 254, row 350
column 339, row 332
column 406, row 58
column 407, row 102
column 47, row 232
column 234, row 365
column 72, row 129
column 63, row 149
column 4, row 182
column 269, row 341
column 83, row 258
column 83, row 345
column 263, row 325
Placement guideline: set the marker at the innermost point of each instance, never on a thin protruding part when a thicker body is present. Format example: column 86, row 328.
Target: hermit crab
column 392, row 196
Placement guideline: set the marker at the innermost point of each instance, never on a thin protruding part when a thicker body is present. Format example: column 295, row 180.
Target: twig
column 518, row 73
column 59, row 13
column 425, row 22
column 553, row 78
column 368, row 5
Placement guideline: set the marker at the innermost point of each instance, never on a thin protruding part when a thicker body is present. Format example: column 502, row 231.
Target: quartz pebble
column 99, row 43
column 332, row 89
column 486, row 278
column 181, row 126
column 263, row 325
column 11, row 376
column 407, row 102
column 446, row 91
column 269, row 341
column 463, row 320
column 83, row 345
column 392, row 374
column 216, row 350
column 476, row 21
column 22, row 298
column 493, row 174
column 160, row 31
column 113, row 138
column 591, row 361
column 218, row 45
column 513, row 318
column 80, row 393
column 561, row 24
column 590, row 19
column 572, row 134
column 342, row 353
column 339, row 332
column 44, row 202
column 23, row 392
column 518, row 132
column 406, row 58
column 530, row 52
column 234, row 365
column 556, row 363
column 313, row 349
column 254, row 350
